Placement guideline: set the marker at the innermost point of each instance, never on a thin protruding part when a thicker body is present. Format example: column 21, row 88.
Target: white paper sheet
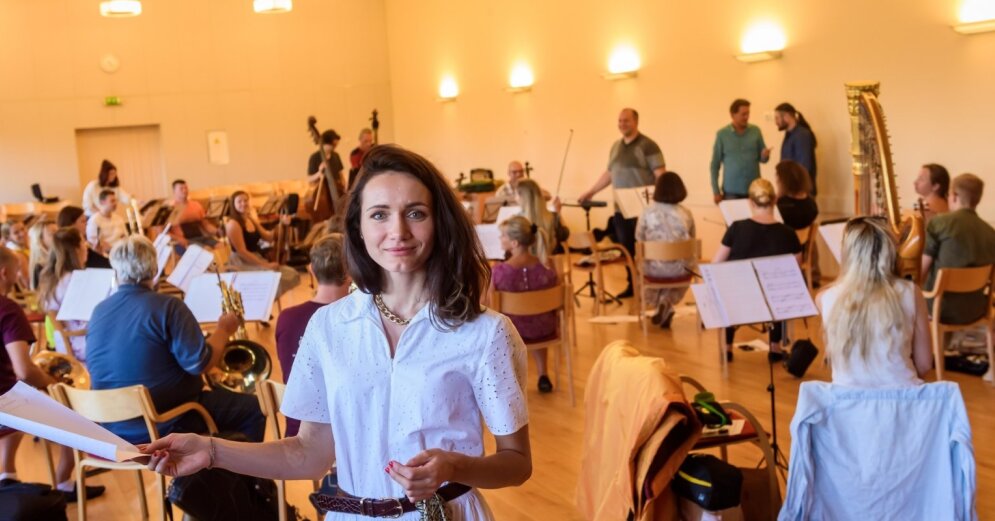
column 507, row 212
column 192, row 265
column 632, row 201
column 489, row 236
column 86, row 289
column 258, row 289
column 833, row 235
column 784, row 286
column 739, row 209
column 29, row 410
column 708, row 310
column 163, row 249
column 737, row 292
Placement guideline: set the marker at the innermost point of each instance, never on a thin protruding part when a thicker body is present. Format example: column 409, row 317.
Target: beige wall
column 189, row 66
column 936, row 84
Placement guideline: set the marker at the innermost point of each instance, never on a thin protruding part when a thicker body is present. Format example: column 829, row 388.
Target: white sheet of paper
column 87, row 288
column 632, row 201
column 258, row 289
column 507, row 212
column 489, row 236
column 737, row 292
column 708, row 309
column 29, row 410
column 739, row 209
column 163, row 237
column 784, row 286
column 162, row 252
column 833, row 235
column 192, row 264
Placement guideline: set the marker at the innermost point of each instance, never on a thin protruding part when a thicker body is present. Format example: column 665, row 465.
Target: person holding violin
column 366, row 142
column 244, row 233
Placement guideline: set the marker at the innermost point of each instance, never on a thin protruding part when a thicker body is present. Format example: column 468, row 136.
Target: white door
column 136, row 153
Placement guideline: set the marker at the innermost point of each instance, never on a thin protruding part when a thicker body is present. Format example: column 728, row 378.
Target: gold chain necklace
column 387, row 313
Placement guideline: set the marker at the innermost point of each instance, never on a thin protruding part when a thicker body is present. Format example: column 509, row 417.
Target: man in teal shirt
column 740, row 149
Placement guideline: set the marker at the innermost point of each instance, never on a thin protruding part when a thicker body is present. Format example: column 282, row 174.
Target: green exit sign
column 112, row 101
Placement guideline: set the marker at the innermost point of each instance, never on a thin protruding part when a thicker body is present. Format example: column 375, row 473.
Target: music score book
column 193, row 263
column 632, row 201
column 162, row 250
column 752, row 291
column 489, row 236
column 27, row 409
column 86, row 289
column 258, row 289
column 739, row 209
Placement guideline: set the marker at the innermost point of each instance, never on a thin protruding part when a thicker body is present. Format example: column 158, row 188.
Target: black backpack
column 220, row 495
column 709, row 482
column 31, row 502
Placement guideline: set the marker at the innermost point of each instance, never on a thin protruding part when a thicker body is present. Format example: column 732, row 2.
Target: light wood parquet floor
column 557, row 429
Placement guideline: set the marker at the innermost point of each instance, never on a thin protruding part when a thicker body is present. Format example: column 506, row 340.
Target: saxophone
column 875, row 189
column 243, row 363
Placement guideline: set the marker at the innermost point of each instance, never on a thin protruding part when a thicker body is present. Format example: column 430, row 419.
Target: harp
column 875, row 189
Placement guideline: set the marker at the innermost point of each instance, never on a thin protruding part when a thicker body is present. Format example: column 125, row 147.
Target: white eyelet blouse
column 431, row 395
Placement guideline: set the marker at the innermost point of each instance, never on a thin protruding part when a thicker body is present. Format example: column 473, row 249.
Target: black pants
column 775, row 335
column 625, row 234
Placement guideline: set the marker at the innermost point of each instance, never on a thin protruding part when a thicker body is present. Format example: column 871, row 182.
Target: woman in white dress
column 391, row 382
column 107, row 179
column 877, row 330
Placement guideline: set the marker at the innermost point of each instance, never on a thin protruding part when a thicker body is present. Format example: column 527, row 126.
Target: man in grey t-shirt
column 634, row 161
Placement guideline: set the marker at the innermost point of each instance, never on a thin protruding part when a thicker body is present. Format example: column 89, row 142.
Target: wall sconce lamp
column 623, row 63
column 763, row 41
column 272, row 6
column 976, row 16
column 521, row 79
column 983, row 26
column 448, row 89
column 120, row 8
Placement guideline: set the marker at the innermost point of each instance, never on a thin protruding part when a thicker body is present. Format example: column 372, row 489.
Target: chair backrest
column 582, row 240
column 270, row 397
column 963, row 280
column 668, row 251
column 806, row 236
column 109, row 405
column 530, row 302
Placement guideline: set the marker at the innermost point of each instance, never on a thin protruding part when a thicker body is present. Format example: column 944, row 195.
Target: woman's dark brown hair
column 105, row 172
column 793, row 177
column 456, row 270
column 234, row 214
column 669, row 189
column 68, row 216
column 62, row 259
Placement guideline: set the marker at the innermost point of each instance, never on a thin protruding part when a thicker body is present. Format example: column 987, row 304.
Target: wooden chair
column 534, row 303
column 585, row 240
column 662, row 251
column 115, row 405
column 962, row 280
column 270, row 397
column 807, row 236
column 752, row 432
column 561, row 264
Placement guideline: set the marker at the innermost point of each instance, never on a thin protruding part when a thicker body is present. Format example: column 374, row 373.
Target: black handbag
column 709, row 482
column 31, row 502
column 220, row 495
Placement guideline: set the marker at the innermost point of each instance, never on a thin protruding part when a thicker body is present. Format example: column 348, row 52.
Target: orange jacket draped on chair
column 638, row 430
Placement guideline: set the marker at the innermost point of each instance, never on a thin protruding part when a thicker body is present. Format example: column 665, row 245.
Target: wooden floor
column 557, row 429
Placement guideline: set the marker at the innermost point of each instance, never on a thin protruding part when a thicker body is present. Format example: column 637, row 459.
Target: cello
column 322, row 203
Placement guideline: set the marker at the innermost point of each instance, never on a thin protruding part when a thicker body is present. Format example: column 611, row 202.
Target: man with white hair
column 139, row 336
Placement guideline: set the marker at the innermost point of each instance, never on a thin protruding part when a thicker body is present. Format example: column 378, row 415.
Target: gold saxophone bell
column 63, row 369
column 243, row 363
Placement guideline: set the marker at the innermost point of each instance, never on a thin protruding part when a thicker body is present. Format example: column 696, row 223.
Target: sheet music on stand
column 731, row 292
column 739, row 209
column 632, row 201
column 258, row 289
column 194, row 262
column 86, row 289
column 163, row 249
column 489, row 236
column 833, row 235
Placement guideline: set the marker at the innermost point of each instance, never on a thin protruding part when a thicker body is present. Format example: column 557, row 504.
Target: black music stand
column 590, row 285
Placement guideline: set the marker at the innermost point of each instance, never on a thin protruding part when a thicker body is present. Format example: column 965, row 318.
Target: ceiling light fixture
column 120, row 8
column 272, row 6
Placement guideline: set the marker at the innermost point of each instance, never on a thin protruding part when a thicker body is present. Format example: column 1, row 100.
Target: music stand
column 590, row 285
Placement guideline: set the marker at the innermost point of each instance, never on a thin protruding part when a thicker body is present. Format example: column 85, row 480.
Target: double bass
column 320, row 202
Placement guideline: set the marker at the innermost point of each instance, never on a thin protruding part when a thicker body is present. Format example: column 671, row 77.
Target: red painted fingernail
column 387, row 470
column 391, row 464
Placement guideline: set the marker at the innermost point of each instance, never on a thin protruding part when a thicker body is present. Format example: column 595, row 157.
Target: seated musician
column 667, row 220
column 796, row 204
column 759, row 236
column 959, row 239
column 40, row 241
column 68, row 254
column 75, row 217
column 16, row 365
column 525, row 271
column 138, row 336
column 190, row 224
column 532, row 201
column 15, row 238
column 932, row 185
column 244, row 235
column 507, row 193
column 106, row 228
column 329, row 269
column 877, row 328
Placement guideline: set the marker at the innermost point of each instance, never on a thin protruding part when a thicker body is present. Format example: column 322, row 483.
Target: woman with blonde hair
column 534, row 209
column 877, row 328
column 524, row 271
column 68, row 254
column 759, row 236
column 40, row 242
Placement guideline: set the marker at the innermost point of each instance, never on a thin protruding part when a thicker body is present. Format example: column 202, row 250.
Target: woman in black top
column 797, row 207
column 759, row 236
column 244, row 233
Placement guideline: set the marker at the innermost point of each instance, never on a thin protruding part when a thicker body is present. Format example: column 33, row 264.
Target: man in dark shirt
column 358, row 153
column 139, row 336
column 959, row 239
column 315, row 165
column 328, row 268
column 799, row 140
